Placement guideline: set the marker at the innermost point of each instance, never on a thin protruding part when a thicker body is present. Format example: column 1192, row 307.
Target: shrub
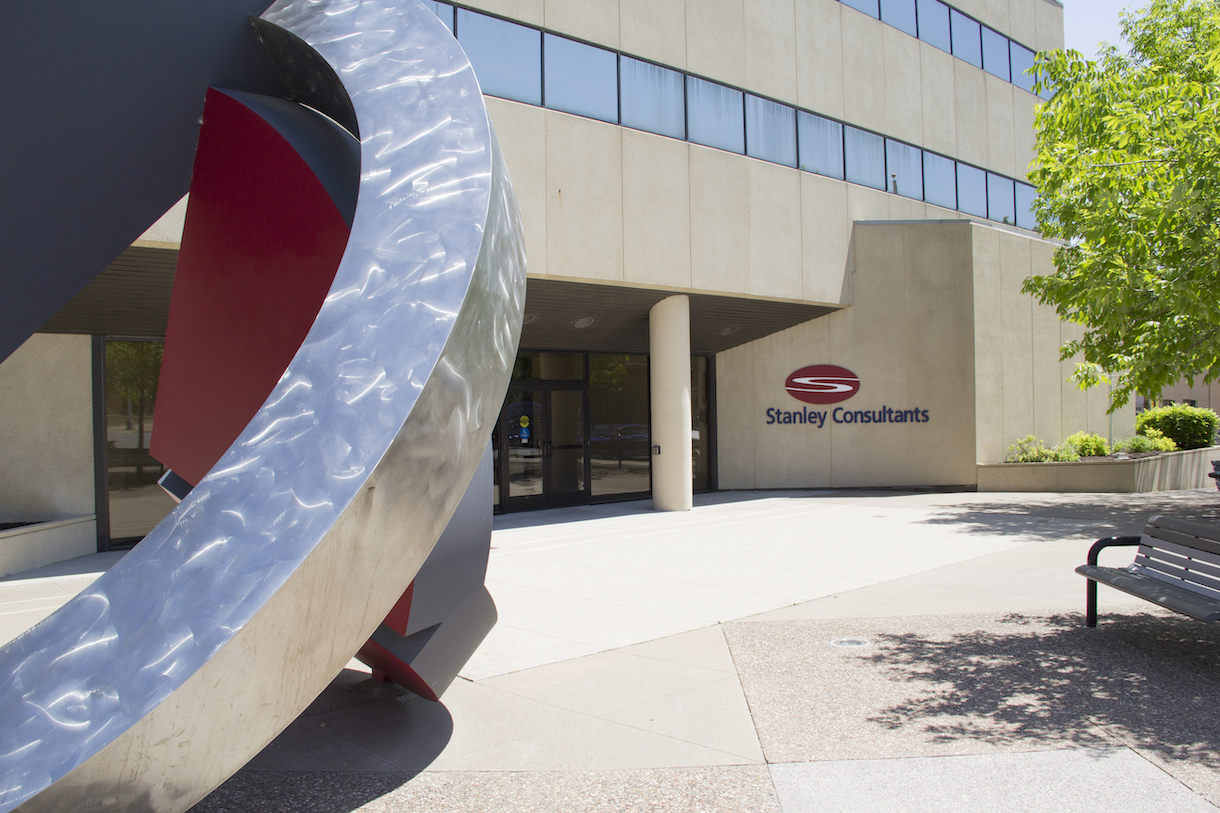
column 1151, row 441
column 1088, row 445
column 1030, row 449
column 1189, row 427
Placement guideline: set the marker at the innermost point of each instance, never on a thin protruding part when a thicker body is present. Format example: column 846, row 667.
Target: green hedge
column 1030, row 449
column 1088, row 445
column 1189, row 427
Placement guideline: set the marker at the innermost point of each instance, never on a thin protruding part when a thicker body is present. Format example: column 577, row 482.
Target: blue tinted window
column 934, row 23
column 714, row 115
column 905, row 166
column 900, row 14
column 1022, row 66
column 507, row 58
column 652, row 98
column 821, row 144
column 442, row 10
column 939, row 182
column 864, row 157
column 1025, row 206
column 967, row 43
column 869, row 7
column 971, row 190
column 770, row 131
column 995, row 54
column 1000, row 204
column 580, row 78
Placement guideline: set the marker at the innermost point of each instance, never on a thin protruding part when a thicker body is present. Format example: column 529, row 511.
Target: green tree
column 1128, row 152
column 133, row 370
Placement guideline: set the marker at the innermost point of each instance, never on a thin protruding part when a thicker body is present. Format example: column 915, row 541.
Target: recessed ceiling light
column 529, row 317
column 728, row 331
column 583, row 322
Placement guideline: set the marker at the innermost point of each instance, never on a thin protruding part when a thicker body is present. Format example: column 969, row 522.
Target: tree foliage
column 1128, row 153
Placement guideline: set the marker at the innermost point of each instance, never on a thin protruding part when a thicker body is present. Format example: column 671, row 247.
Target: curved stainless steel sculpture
column 156, row 683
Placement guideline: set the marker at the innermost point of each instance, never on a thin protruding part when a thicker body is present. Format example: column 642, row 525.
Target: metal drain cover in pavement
column 850, row 643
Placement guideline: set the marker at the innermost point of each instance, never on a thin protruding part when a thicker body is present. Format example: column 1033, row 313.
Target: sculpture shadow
column 1148, row 681
column 359, row 740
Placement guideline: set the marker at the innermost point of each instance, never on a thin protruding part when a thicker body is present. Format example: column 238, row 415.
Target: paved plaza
column 790, row 651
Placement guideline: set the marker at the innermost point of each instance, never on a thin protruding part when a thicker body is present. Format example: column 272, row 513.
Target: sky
column 1088, row 22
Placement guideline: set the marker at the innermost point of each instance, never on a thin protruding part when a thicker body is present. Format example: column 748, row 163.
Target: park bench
column 1177, row 566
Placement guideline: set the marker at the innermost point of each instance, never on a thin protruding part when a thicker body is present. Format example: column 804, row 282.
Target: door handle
column 546, row 449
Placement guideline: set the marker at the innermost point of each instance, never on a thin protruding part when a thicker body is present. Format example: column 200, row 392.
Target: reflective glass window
column 549, row 366
column 507, row 58
column 934, row 23
column 619, row 430
column 967, row 40
column 905, row 166
column 971, row 190
column 580, row 78
column 1022, row 66
column 714, row 115
column 939, row 182
column 770, row 131
column 821, row 144
column 701, row 422
column 864, row 157
column 900, row 14
column 137, row 503
column 1025, row 206
column 995, row 54
column 442, row 10
column 869, row 7
column 1000, row 204
column 651, row 98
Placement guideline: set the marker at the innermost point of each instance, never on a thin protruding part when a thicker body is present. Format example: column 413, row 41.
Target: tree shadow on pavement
column 1148, row 681
column 1054, row 516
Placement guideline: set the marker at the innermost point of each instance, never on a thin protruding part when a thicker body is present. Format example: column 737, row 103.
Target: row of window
column 953, row 32
column 516, row 62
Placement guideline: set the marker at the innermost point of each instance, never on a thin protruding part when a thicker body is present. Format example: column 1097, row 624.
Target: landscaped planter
column 1168, row 471
column 44, row 543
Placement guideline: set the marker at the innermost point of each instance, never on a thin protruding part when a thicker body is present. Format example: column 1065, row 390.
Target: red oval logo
column 822, row 384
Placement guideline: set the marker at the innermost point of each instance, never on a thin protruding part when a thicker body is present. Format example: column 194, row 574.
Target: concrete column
column 669, row 344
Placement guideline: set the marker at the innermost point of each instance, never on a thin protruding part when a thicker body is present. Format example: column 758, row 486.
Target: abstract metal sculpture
column 157, row 682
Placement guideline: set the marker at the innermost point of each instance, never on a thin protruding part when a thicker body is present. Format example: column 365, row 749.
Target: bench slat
column 1182, row 550
column 1158, row 591
column 1185, row 579
column 1182, row 560
column 1192, row 535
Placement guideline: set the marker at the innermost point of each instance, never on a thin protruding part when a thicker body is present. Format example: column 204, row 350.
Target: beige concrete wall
column 1171, row 471
column 1204, row 395
column 46, row 543
column 1021, row 384
column 908, row 336
column 611, row 204
column 938, row 322
column 46, row 430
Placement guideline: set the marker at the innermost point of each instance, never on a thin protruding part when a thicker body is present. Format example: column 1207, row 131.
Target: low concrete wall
column 46, row 543
column 1165, row 472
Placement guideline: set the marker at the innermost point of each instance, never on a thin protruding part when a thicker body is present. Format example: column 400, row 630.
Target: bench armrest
column 1110, row 542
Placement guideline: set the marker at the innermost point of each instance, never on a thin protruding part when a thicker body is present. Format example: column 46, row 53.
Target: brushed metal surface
column 156, row 683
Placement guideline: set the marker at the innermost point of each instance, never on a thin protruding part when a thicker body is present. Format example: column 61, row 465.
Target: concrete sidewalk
column 793, row 651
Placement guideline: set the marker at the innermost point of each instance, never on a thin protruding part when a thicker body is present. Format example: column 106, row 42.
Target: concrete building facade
column 784, row 183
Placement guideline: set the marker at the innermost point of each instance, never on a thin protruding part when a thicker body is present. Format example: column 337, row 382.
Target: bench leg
column 1090, row 603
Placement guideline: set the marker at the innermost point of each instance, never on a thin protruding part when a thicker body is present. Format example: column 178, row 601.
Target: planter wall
column 45, row 543
column 1165, row 472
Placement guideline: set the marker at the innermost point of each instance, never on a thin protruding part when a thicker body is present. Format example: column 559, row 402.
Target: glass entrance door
column 543, row 439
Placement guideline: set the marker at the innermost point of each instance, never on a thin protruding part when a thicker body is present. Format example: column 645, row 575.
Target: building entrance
column 543, row 451
column 575, row 429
